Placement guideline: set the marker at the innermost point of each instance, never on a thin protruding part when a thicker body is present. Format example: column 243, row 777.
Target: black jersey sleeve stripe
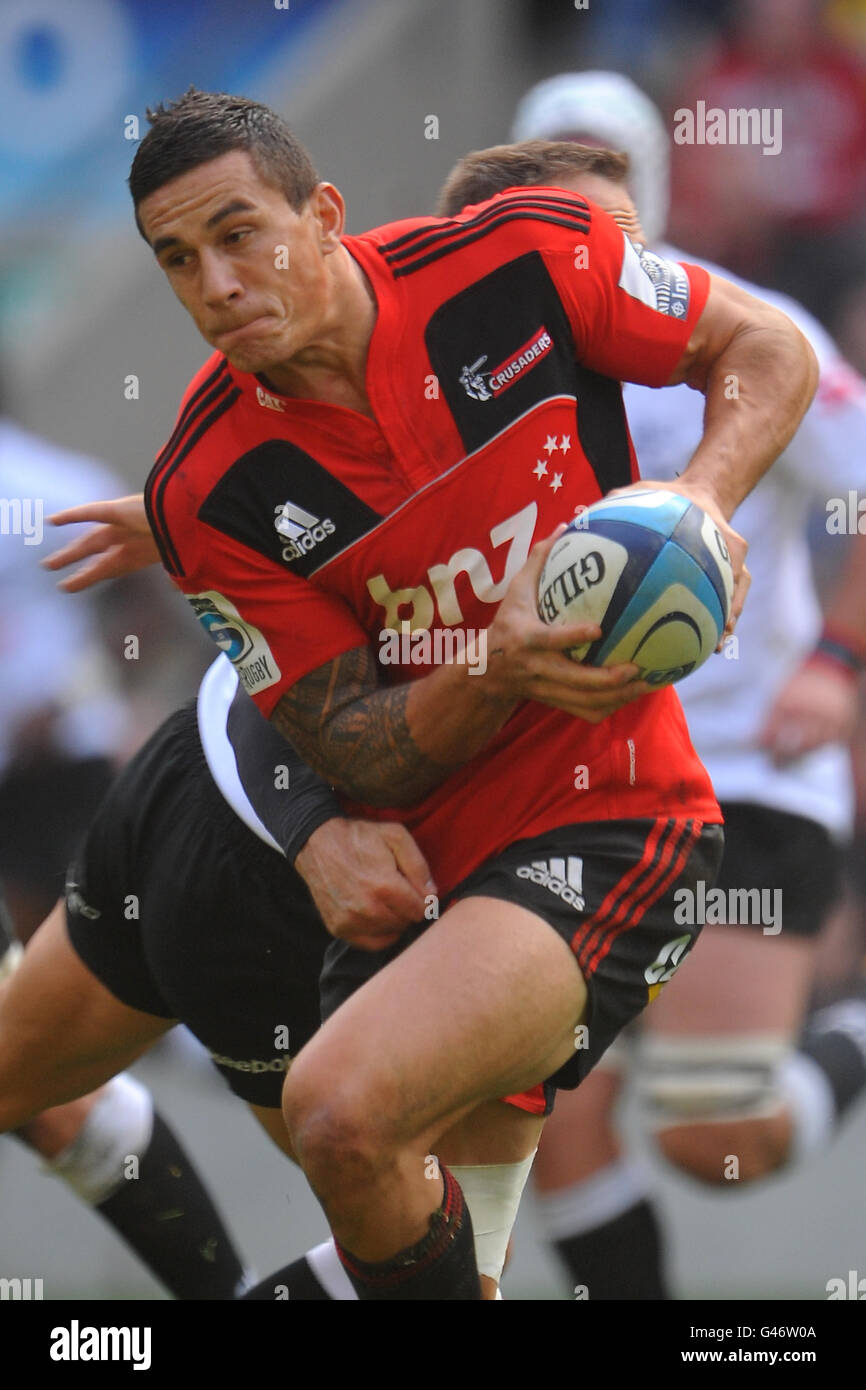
column 580, row 224
column 222, row 386
column 217, row 383
column 183, row 418
column 494, row 217
column 154, row 526
column 155, row 500
column 529, row 197
column 457, row 245
column 431, row 233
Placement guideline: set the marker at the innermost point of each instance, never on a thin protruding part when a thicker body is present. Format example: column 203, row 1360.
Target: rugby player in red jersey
column 390, row 421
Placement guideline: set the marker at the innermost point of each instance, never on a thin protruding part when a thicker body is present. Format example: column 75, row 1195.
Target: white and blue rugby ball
column 653, row 571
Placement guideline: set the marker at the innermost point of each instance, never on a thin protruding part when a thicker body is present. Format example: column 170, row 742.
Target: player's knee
column 716, row 1106
column 332, row 1133
column 728, row 1152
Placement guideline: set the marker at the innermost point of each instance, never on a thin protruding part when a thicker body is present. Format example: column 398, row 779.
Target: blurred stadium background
column 82, row 311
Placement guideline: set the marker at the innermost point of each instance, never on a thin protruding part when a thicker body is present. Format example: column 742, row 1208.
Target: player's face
column 250, row 270
column 611, row 196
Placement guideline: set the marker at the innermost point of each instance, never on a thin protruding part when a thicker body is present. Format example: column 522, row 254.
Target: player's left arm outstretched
column 119, row 543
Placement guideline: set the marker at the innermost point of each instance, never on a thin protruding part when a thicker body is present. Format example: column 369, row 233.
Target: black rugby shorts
column 181, row 911
column 771, row 850
column 608, row 889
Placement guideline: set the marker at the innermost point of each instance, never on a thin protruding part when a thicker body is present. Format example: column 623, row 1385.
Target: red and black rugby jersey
column 299, row 530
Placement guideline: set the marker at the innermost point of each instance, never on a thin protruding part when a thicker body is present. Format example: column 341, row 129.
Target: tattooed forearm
column 356, row 733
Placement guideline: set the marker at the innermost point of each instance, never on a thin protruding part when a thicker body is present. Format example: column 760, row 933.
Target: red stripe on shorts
column 623, row 890
column 680, row 849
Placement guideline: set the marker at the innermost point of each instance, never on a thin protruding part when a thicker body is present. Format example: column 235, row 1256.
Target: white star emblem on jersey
column 556, row 482
column 540, row 468
column 550, row 444
column 565, row 443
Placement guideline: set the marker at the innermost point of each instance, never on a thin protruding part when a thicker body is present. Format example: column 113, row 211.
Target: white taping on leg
column 119, row 1125
column 492, row 1192
column 711, row 1079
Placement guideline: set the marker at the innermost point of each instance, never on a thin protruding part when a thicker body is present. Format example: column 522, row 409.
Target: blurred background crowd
column 94, row 353
column 794, row 220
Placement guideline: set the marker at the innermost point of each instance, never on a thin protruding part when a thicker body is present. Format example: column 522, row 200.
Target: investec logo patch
column 301, row 530
column 564, row 879
column 660, row 284
column 486, row 386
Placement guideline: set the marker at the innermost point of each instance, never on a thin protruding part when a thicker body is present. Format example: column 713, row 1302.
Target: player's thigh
column 482, row 1005
column 570, row 922
column 493, row 1133
column 62, row 1033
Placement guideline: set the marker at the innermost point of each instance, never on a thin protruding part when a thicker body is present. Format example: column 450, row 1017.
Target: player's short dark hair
column 200, row 126
column 484, row 173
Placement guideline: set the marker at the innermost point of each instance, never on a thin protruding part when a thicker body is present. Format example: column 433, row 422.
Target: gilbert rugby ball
column 653, row 571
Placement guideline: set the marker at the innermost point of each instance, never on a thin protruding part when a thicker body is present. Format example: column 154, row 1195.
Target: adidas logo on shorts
column 565, row 879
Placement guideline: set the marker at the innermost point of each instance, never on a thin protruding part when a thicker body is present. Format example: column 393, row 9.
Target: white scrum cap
column 609, row 108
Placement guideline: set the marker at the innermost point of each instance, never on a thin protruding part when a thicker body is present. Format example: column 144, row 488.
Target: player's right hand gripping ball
column 653, row 571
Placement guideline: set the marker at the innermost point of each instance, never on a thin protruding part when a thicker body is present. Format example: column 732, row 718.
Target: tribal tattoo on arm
column 355, row 732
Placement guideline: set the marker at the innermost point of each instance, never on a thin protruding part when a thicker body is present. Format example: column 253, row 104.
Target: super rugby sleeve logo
column 661, row 284
column 486, row 386
column 242, row 643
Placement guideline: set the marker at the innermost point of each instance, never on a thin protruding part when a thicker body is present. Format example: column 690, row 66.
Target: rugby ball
column 653, row 571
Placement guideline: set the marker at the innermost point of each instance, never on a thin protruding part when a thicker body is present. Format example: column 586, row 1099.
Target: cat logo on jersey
column 242, row 643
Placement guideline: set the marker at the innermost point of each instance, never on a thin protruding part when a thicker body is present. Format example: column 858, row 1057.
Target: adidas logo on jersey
column 300, row 529
column 563, row 879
